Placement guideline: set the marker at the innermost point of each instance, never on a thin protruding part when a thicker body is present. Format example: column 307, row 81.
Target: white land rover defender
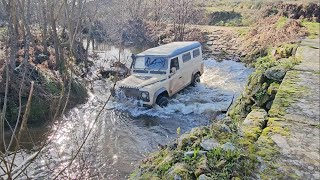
column 161, row 72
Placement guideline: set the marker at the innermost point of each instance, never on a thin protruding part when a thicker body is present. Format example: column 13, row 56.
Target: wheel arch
column 159, row 92
column 194, row 73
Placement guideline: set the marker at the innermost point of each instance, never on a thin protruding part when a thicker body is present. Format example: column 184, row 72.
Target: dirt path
column 211, row 29
column 222, row 43
column 292, row 133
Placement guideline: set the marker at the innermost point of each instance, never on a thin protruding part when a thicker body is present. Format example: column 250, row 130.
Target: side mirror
column 133, row 56
column 133, row 61
column 173, row 70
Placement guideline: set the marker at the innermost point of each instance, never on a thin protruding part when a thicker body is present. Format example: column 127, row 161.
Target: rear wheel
column 162, row 101
column 195, row 80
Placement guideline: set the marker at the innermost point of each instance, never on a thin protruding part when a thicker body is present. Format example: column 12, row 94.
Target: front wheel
column 195, row 80
column 162, row 101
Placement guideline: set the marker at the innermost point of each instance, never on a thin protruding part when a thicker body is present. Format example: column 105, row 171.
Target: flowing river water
column 124, row 133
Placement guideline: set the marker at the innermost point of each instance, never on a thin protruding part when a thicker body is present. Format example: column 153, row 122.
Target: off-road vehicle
column 159, row 73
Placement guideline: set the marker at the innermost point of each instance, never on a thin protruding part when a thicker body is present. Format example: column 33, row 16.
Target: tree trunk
column 13, row 35
column 45, row 26
column 55, row 38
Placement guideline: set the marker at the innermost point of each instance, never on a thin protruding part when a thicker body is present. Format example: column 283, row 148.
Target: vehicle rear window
column 196, row 53
column 186, row 57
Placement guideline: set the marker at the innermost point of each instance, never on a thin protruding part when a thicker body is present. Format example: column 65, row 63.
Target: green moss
column 219, row 135
column 267, row 149
column 286, row 50
column 282, row 21
column 264, row 63
column 12, row 111
column 289, row 63
column 242, row 31
column 273, row 88
column 148, row 176
column 39, row 111
column 53, row 88
column 288, row 93
column 242, row 107
column 313, row 29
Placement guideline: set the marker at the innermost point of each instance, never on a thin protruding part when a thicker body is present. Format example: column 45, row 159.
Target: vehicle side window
column 174, row 63
column 196, row 53
column 186, row 57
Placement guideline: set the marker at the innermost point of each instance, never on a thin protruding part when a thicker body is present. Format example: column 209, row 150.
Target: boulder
column 276, row 73
column 209, row 144
column 262, row 99
column 252, row 126
column 203, row 177
column 255, row 118
column 224, row 128
column 269, row 104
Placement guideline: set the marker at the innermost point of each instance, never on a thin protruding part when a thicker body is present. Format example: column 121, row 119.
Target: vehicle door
column 176, row 81
column 188, row 67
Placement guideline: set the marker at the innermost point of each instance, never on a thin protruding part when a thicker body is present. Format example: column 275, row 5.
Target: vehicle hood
column 135, row 81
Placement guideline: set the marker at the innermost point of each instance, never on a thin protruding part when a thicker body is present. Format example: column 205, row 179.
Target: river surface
column 124, row 134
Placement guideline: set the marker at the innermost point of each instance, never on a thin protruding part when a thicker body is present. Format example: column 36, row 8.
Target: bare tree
column 181, row 11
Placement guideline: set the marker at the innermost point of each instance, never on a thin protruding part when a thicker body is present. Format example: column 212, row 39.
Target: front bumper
column 136, row 94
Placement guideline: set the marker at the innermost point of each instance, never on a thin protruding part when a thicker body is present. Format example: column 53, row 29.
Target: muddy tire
column 162, row 101
column 195, row 80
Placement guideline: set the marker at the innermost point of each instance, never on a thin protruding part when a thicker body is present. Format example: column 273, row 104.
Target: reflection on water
column 124, row 133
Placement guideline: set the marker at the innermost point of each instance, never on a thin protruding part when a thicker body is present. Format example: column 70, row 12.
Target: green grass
column 243, row 31
column 281, row 22
column 313, row 29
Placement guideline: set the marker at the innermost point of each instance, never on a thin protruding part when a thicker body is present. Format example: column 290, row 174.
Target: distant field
column 247, row 10
column 245, row 5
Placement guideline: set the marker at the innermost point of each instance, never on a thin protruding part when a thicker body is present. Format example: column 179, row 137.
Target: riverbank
column 53, row 91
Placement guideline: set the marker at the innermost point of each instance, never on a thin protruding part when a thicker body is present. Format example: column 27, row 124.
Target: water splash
column 221, row 83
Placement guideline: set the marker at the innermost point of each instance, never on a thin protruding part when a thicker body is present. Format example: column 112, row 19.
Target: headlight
column 145, row 95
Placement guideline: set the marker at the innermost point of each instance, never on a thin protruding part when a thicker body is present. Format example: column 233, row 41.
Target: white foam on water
column 221, row 83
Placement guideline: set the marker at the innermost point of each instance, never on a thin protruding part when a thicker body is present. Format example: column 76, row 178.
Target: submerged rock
column 209, row 144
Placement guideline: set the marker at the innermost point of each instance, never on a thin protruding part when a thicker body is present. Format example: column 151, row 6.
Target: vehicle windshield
column 150, row 64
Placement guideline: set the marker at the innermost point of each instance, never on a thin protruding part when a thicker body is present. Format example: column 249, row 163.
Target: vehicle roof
column 171, row 49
